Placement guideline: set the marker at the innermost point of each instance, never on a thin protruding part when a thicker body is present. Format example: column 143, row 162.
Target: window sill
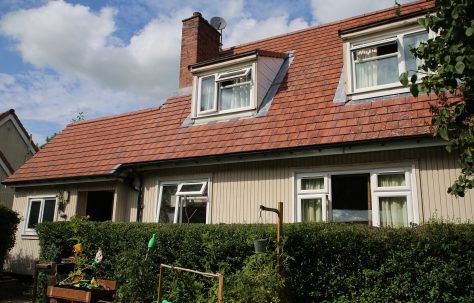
column 377, row 93
column 30, row 236
column 217, row 117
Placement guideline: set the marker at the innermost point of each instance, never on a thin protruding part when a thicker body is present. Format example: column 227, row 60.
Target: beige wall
column 26, row 249
column 237, row 190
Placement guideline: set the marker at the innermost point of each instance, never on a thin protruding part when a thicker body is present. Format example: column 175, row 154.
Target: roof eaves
column 63, row 180
column 271, row 152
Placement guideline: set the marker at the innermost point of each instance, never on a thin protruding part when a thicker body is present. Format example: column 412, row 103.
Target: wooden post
column 279, row 212
column 160, row 279
column 220, row 288
column 279, row 233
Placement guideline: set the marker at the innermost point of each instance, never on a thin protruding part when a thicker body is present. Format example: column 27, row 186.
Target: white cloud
column 325, row 11
column 54, row 98
column 73, row 40
column 248, row 29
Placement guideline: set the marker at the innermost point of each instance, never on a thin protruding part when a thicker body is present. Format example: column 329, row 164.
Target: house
column 16, row 147
column 315, row 118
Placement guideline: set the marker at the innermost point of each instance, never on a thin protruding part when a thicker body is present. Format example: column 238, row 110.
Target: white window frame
column 221, row 76
column 214, row 105
column 179, row 184
column 199, row 192
column 367, row 40
column 409, row 190
column 41, row 199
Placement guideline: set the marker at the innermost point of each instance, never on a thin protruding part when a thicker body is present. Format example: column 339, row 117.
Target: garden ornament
column 98, row 257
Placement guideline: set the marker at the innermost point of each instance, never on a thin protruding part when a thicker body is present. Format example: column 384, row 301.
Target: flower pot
column 260, row 245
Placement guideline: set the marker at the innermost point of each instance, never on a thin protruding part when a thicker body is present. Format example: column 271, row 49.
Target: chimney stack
column 199, row 42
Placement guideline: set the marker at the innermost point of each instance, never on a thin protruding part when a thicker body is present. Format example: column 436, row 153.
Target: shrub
column 323, row 262
column 9, row 220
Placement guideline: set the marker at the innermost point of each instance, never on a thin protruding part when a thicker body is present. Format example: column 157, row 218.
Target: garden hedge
column 322, row 262
column 8, row 224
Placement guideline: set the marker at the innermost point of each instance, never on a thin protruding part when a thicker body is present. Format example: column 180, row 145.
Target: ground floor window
column 183, row 202
column 383, row 197
column 39, row 210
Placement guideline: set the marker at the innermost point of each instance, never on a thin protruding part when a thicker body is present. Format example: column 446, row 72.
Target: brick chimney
column 199, row 42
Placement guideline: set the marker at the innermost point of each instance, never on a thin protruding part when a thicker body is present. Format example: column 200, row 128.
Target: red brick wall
column 199, row 42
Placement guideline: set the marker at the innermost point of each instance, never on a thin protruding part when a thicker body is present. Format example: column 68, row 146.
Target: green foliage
column 323, row 262
column 448, row 63
column 9, row 220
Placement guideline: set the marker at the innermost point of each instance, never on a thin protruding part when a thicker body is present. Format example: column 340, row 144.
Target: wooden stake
column 160, row 280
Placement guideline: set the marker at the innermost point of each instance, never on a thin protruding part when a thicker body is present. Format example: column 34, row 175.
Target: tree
column 79, row 117
column 448, row 71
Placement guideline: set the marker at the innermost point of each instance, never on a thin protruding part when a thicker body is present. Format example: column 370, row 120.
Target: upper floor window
column 226, row 91
column 234, row 86
column 374, row 61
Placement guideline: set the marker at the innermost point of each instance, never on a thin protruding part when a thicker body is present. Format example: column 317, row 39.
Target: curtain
column 235, row 97
column 311, row 210
column 207, row 93
column 392, row 180
column 310, row 184
column 393, row 211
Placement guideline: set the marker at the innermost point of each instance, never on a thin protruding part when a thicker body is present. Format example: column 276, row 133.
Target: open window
column 39, row 210
column 183, row 202
column 374, row 59
column 226, row 91
column 384, row 197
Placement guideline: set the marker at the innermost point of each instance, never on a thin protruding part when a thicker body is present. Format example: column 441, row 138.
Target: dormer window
column 234, row 86
column 226, row 91
column 375, row 58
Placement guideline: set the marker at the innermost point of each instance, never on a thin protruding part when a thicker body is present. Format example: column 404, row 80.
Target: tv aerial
column 219, row 24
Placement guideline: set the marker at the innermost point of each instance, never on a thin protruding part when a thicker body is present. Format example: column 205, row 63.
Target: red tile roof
column 302, row 114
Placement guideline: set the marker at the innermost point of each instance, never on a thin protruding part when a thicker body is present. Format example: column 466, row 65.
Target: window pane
column 34, row 214
column 207, row 93
column 391, row 180
column 191, row 187
column 393, row 211
column 312, row 183
column 234, row 97
column 48, row 212
column 311, row 210
column 410, row 42
column 376, row 72
column 194, row 211
column 168, row 201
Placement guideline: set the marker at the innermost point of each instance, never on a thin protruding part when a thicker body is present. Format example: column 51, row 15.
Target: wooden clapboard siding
column 238, row 189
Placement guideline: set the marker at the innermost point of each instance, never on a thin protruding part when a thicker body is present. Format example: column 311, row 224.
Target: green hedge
column 322, row 262
column 8, row 224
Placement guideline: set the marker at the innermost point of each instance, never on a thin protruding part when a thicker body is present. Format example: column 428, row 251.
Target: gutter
column 122, row 172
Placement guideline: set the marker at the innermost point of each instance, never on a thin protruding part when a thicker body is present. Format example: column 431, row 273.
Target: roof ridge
column 312, row 27
column 110, row 117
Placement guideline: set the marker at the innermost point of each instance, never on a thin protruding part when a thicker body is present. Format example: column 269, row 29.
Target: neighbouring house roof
column 302, row 114
column 5, row 164
column 21, row 129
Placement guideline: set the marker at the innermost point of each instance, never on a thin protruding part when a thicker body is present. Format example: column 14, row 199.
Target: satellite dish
column 218, row 23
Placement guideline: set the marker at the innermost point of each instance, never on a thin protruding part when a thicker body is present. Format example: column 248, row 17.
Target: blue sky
column 104, row 57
